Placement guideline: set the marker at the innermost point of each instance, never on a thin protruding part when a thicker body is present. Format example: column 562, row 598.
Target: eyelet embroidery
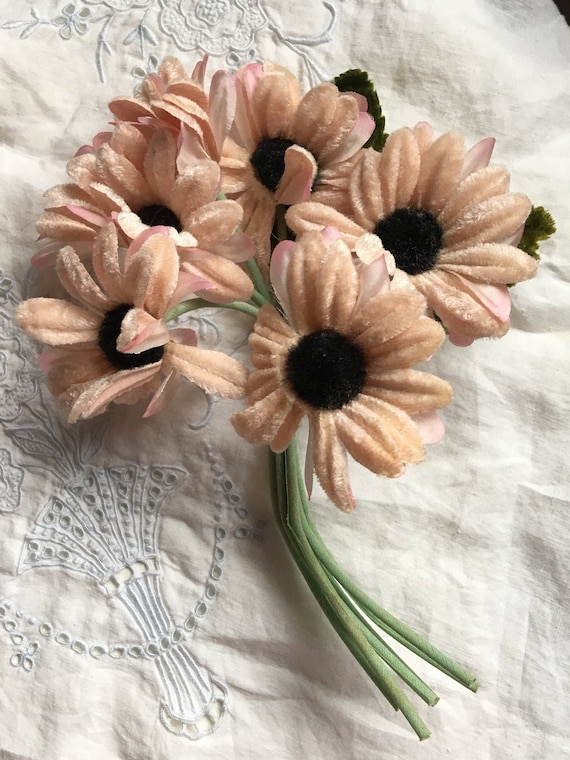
column 102, row 522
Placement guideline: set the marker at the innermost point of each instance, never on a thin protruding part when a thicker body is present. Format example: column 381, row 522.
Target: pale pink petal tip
column 363, row 128
column 374, row 279
column 251, row 75
column 360, row 99
column 46, row 360
column 44, row 259
column 86, row 215
column 198, row 75
column 163, row 396
column 330, row 233
column 238, row 247
column 141, row 332
column 479, row 156
column 495, row 298
column 188, row 284
column 430, row 425
column 278, row 267
column 186, row 336
column 100, row 139
column 297, row 180
column 459, row 340
column 222, row 102
column 516, row 237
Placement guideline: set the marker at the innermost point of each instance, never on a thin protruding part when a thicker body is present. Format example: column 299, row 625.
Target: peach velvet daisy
column 133, row 180
column 114, row 344
column 343, row 360
column 171, row 98
column 285, row 144
column 447, row 219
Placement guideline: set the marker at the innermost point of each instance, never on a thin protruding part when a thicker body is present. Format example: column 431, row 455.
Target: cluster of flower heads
column 180, row 204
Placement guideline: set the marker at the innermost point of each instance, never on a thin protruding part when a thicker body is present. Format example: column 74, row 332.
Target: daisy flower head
column 445, row 216
column 199, row 120
column 342, row 357
column 133, row 180
column 283, row 144
column 113, row 344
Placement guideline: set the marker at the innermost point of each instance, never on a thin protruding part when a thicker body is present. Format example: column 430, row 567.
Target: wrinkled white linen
column 470, row 548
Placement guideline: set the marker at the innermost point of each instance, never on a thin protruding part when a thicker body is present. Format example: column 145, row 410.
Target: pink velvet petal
column 99, row 139
column 138, row 242
column 198, row 75
column 330, row 234
column 222, row 105
column 369, row 247
column 516, row 237
column 163, row 395
column 238, row 247
column 186, row 336
column 478, row 157
column 297, row 180
column 495, row 298
column 430, row 425
column 363, row 127
column 89, row 216
column 330, row 461
column 79, row 284
column 189, row 283
column 140, row 332
column 215, row 372
column 57, row 323
column 190, row 150
column 130, row 224
column 459, row 340
column 245, row 86
column 278, row 269
column 100, row 393
column 374, row 279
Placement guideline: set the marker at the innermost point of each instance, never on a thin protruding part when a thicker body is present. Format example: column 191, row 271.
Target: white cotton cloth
column 470, row 547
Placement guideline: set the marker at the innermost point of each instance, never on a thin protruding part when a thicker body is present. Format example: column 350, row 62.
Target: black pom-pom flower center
column 108, row 334
column 268, row 161
column 159, row 216
column 326, row 369
column 413, row 236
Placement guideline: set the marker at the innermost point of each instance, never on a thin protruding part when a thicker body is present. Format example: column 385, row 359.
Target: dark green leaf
column 356, row 80
column 538, row 226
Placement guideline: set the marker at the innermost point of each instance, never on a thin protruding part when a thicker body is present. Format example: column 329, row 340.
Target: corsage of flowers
column 353, row 252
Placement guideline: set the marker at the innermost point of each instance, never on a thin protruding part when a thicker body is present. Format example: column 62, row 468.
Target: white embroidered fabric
column 148, row 605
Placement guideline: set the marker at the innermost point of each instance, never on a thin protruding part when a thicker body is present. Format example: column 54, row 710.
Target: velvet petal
column 215, row 372
column 329, row 460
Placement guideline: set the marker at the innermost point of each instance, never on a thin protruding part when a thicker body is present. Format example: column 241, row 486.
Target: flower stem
column 367, row 608
column 353, row 615
column 258, row 281
column 200, row 303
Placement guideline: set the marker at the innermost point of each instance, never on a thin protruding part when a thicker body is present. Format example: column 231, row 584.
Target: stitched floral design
column 11, row 477
column 72, row 19
column 222, row 28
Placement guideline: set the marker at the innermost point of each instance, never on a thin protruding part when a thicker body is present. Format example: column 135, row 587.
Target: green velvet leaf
column 356, row 80
column 539, row 226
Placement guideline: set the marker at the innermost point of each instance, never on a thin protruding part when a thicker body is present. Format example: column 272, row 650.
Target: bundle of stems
column 355, row 617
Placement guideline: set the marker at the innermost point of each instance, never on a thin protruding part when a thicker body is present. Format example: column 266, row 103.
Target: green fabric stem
column 379, row 616
column 287, row 501
column 352, row 614
column 258, row 281
column 200, row 303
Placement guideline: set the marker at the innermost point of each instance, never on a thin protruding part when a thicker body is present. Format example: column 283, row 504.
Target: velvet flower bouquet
column 352, row 251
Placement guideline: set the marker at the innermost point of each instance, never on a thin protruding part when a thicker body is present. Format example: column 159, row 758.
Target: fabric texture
column 148, row 605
